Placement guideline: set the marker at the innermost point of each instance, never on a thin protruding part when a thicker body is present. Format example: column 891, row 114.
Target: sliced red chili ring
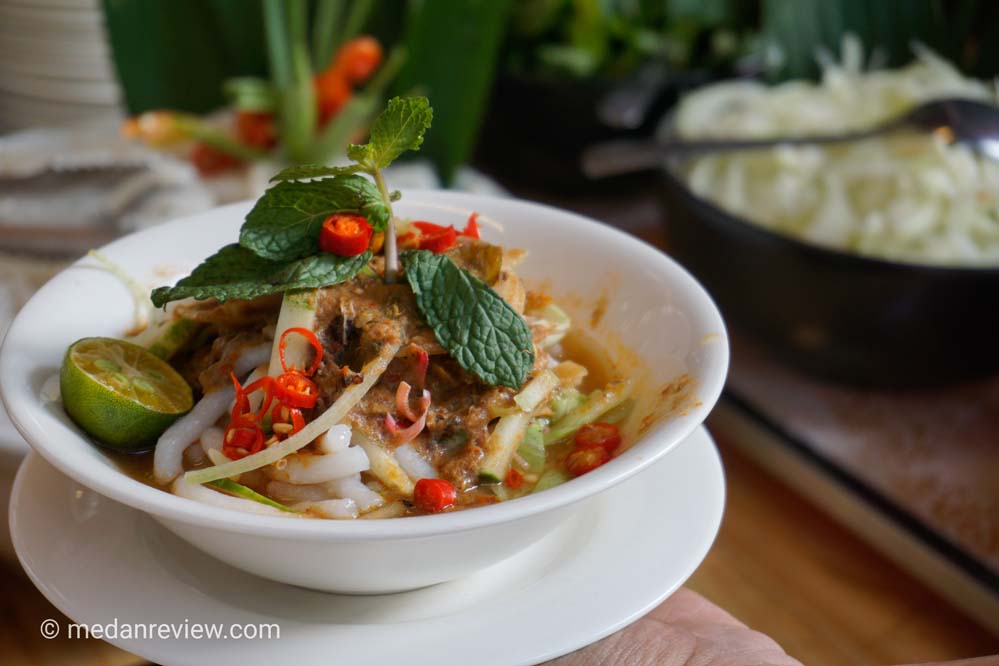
column 312, row 340
column 472, row 228
column 297, row 420
column 242, row 438
column 295, row 390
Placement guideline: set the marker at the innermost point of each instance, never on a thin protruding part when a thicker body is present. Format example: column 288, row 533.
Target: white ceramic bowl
column 652, row 307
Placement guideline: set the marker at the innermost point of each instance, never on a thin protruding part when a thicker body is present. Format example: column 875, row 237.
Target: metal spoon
column 958, row 120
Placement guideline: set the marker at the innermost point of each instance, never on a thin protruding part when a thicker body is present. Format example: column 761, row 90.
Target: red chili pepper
column 514, row 479
column 600, row 435
column 296, row 390
column 434, row 495
column 297, row 420
column 345, row 235
column 581, row 461
column 242, row 438
column 436, row 238
column 210, row 161
column 472, row 228
column 256, row 129
column 311, row 338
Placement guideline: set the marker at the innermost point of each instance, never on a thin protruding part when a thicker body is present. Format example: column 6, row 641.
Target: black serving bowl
column 832, row 314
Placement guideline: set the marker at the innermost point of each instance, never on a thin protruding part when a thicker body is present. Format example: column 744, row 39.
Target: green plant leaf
column 400, row 127
column 286, row 221
column 306, row 171
column 453, row 49
column 237, row 273
column 478, row 328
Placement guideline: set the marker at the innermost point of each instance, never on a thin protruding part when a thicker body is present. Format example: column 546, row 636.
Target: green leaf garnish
column 478, row 328
column 286, row 221
column 237, row 273
column 306, row 171
column 239, row 490
column 399, row 128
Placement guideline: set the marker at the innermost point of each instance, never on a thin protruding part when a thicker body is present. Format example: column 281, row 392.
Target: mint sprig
column 478, row 328
column 237, row 273
column 399, row 128
column 285, row 223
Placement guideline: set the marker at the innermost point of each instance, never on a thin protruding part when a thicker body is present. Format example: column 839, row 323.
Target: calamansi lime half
column 121, row 394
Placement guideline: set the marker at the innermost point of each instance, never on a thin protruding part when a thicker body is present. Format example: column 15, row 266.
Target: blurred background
column 860, row 280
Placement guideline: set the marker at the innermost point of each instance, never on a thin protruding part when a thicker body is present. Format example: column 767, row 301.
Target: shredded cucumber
column 596, row 405
column 550, row 479
column 508, row 434
column 532, row 447
column 173, row 336
column 565, row 401
column 536, row 391
column 560, row 322
column 298, row 310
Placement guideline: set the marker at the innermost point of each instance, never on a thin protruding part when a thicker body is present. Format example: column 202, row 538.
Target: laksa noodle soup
column 339, row 363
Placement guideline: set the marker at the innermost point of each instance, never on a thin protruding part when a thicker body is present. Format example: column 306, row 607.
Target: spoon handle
column 628, row 156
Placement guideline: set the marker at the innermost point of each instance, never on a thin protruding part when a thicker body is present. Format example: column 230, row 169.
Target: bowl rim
column 669, row 168
column 118, row 486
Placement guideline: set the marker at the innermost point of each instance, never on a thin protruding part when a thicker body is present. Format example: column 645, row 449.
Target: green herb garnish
column 239, row 490
column 236, row 273
column 278, row 251
column 478, row 328
column 286, row 221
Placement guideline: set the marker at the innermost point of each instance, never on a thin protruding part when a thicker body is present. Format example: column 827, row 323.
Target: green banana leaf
column 176, row 53
column 452, row 48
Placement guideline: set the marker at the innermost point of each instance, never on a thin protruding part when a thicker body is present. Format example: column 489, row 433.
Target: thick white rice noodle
column 168, row 458
column 908, row 197
column 333, row 508
column 311, row 468
column 207, row 495
column 352, row 488
column 414, row 464
column 335, row 439
column 290, row 493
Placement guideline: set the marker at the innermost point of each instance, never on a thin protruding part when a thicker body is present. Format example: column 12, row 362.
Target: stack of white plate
column 55, row 64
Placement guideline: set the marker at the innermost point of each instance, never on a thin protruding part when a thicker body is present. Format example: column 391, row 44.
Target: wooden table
column 779, row 564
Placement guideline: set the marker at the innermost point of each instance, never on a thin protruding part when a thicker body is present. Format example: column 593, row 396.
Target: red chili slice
column 581, row 461
column 345, row 234
column 435, row 237
column 472, row 228
column 434, row 495
column 602, row 435
column 311, row 338
column 242, row 438
column 296, row 390
column 514, row 479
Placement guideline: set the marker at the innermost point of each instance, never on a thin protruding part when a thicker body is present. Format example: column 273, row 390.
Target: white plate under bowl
column 618, row 557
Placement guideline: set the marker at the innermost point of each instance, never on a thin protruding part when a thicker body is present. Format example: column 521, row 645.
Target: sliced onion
column 402, row 402
column 343, row 509
column 215, row 498
column 414, row 464
column 311, row 468
column 351, row 487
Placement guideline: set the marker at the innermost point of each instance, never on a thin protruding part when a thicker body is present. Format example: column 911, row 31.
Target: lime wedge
column 121, row 394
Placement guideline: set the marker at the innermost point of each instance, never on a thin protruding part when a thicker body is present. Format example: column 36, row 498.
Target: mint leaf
column 237, row 273
column 478, row 328
column 305, row 171
column 399, row 128
column 286, row 221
